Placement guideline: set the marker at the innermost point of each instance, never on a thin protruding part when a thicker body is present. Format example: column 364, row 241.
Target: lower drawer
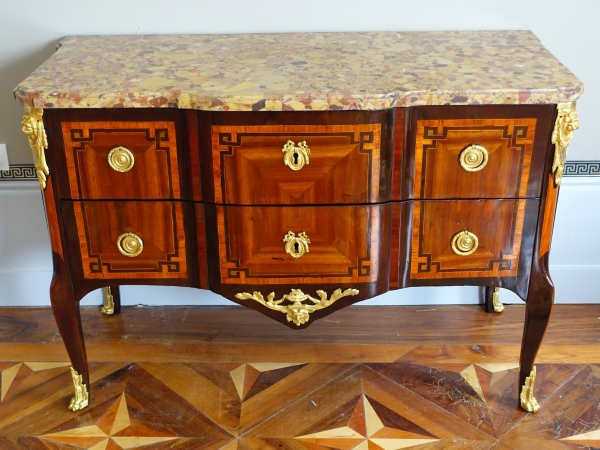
column 302, row 244
column 471, row 238
column 118, row 240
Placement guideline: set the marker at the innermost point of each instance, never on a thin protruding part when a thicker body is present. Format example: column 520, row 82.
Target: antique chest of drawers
column 298, row 174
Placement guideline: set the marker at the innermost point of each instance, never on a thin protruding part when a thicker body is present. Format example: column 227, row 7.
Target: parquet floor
column 366, row 378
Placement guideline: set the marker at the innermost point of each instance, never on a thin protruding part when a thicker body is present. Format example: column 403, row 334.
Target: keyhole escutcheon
column 296, row 246
column 295, row 156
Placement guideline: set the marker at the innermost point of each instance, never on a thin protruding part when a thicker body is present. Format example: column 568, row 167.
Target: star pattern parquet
column 297, row 406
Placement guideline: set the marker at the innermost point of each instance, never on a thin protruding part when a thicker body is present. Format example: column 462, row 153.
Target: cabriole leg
column 540, row 297
column 66, row 313
column 538, row 310
column 65, row 306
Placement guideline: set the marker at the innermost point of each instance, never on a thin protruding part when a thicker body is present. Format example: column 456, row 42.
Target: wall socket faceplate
column 3, row 158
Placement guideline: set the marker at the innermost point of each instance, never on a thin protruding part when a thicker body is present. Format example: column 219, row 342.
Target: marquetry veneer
column 294, row 213
column 439, row 143
column 345, row 244
column 343, row 165
column 154, row 148
column 160, row 225
column 498, row 225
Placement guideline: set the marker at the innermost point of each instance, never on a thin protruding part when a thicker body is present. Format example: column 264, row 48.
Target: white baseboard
column 26, row 266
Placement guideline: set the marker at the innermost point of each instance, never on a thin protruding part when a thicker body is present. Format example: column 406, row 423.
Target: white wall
column 30, row 29
column 26, row 265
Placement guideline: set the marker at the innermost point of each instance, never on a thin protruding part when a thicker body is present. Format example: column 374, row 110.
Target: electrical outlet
column 3, row 157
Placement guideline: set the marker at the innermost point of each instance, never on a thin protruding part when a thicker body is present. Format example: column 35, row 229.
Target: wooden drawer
column 473, row 158
column 344, row 243
column 103, row 227
column 121, row 160
column 337, row 164
column 440, row 243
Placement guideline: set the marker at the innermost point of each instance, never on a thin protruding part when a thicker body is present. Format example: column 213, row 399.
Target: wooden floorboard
column 364, row 378
column 361, row 324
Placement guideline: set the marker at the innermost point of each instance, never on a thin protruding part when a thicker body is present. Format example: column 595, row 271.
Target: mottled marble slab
column 300, row 71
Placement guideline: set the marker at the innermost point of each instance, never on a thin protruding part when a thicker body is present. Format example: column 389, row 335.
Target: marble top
column 300, row 71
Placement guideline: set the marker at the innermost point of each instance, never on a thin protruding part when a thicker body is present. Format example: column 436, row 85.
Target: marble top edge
column 300, row 71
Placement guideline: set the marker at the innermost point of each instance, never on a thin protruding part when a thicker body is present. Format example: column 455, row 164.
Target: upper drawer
column 297, row 164
column 473, row 158
column 478, row 151
column 121, row 160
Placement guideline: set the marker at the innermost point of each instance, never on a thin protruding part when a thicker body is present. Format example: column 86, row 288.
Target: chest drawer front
column 121, row 160
column 473, row 158
column 339, row 244
column 467, row 238
column 296, row 164
column 131, row 239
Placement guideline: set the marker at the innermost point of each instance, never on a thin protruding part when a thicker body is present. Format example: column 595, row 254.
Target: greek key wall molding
column 582, row 169
column 26, row 172
column 19, row 172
